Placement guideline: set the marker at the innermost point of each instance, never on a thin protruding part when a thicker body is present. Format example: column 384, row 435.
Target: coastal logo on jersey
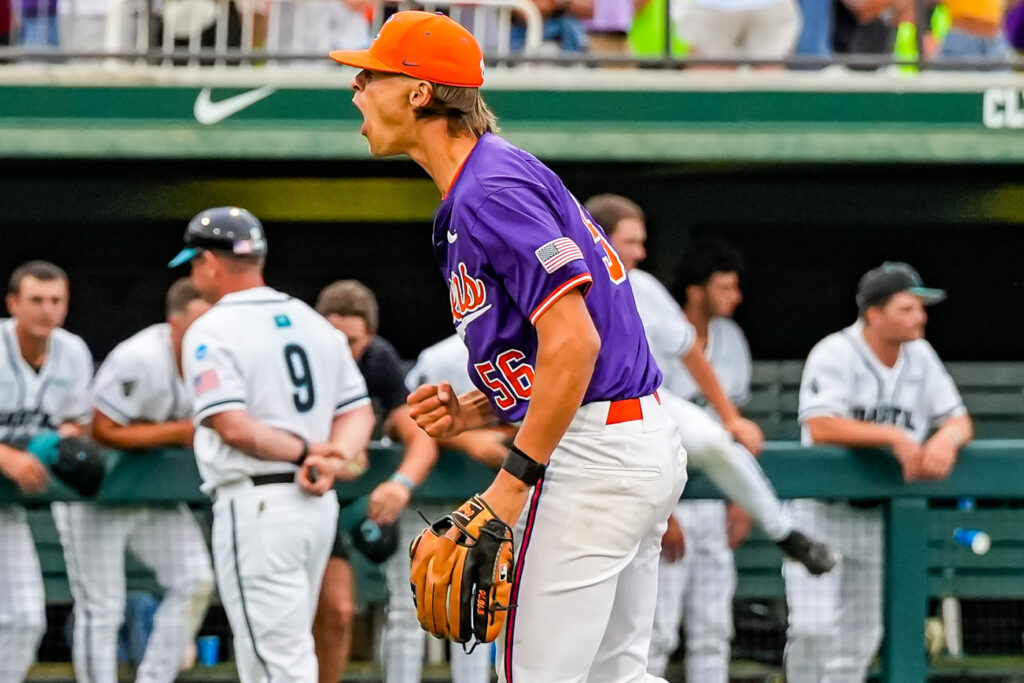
column 468, row 298
column 282, row 321
column 557, row 253
column 201, row 352
column 207, row 380
column 884, row 415
column 34, row 418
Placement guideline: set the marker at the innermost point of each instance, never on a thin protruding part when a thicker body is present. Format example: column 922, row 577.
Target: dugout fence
column 922, row 562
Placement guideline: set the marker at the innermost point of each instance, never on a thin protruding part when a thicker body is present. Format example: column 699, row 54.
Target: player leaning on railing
column 875, row 384
column 45, row 373
column 139, row 401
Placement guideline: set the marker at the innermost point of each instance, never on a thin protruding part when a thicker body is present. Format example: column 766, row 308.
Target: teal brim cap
column 881, row 283
column 184, row 256
column 928, row 295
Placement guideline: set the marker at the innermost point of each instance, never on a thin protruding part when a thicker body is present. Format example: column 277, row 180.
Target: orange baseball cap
column 423, row 45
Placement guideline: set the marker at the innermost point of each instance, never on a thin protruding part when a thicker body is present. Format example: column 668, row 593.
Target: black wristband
column 523, row 467
column 304, row 453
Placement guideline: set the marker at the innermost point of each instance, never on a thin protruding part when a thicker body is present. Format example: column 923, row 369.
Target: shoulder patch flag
column 557, row 253
column 207, row 380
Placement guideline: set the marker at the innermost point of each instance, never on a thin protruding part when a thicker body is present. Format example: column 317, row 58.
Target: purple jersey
column 510, row 240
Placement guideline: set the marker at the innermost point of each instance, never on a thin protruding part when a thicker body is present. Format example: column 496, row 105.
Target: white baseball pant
column 697, row 589
column 22, row 600
column 402, row 642
column 728, row 465
column 835, row 620
column 168, row 541
column 586, row 572
column 270, row 549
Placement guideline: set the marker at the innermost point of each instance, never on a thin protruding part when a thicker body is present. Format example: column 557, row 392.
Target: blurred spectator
column 318, row 26
column 176, row 24
column 5, row 22
column 38, row 23
column 563, row 24
column 1014, row 25
column 608, row 27
column 739, row 29
column 869, row 26
column 975, row 31
column 83, row 25
column 816, row 37
column 181, row 19
column 647, row 33
column 186, row 21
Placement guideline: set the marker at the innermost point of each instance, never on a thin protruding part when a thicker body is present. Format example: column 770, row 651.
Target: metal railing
column 290, row 32
column 247, row 32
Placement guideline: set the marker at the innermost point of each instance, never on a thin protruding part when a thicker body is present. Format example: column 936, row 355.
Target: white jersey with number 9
column 264, row 352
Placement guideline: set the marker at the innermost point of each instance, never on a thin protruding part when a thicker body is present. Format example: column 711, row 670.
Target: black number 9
column 298, row 370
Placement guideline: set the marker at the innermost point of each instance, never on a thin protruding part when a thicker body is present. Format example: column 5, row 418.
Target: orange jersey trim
column 557, row 294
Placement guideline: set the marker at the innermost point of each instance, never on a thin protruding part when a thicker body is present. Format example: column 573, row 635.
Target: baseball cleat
column 816, row 557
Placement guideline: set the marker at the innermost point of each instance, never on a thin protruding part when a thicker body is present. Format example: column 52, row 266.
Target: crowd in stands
column 726, row 30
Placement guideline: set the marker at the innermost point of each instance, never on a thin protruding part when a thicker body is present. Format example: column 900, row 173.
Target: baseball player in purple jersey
column 543, row 304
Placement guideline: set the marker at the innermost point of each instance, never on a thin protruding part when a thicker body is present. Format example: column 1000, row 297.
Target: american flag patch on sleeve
column 557, row 253
column 207, row 380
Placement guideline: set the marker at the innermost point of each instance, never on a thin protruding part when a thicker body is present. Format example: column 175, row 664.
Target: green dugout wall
column 565, row 114
column 815, row 177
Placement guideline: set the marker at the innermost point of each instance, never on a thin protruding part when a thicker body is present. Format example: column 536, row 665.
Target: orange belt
column 626, row 410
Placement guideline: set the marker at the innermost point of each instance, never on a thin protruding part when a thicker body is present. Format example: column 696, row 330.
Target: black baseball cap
column 892, row 277
column 223, row 228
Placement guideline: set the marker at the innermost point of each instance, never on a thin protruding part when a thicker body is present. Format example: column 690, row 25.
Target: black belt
column 860, row 504
column 273, row 478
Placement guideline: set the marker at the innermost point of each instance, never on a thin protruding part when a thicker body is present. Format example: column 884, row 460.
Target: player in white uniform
column 280, row 411
column 402, row 642
column 139, row 401
column 874, row 384
column 698, row 588
column 709, row 568
column 44, row 384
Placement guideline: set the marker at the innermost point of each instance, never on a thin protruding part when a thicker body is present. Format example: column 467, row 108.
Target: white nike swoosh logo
column 208, row 112
column 452, row 236
column 466, row 320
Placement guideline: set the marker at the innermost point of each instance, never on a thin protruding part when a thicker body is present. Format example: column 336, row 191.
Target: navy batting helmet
column 224, row 228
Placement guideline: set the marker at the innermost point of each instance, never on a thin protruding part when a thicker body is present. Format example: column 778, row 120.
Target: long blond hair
column 464, row 108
